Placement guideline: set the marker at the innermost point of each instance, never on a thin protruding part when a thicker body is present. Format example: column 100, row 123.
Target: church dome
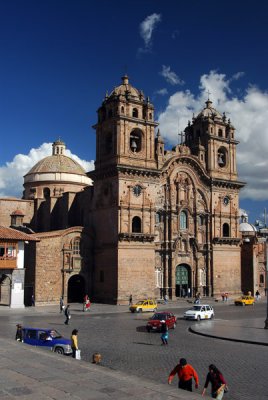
column 57, row 163
column 55, row 174
column 126, row 89
column 246, row 227
column 210, row 112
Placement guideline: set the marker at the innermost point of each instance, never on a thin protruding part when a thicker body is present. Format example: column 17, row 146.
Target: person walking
column 257, row 294
column 130, row 300
column 18, row 336
column 218, row 383
column 166, row 299
column 61, row 304
column 164, row 332
column 86, row 303
column 186, row 373
column 67, row 314
column 74, row 340
column 32, row 301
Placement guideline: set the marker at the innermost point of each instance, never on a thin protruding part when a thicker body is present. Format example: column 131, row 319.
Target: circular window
column 137, row 190
column 226, row 200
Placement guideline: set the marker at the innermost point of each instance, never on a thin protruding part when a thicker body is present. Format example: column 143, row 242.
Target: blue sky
column 58, row 59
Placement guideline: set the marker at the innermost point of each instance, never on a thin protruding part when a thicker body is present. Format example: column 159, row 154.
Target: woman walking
column 218, row 383
column 74, row 340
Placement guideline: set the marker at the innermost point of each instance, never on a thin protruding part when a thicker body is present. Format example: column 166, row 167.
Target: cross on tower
column 181, row 136
column 208, row 92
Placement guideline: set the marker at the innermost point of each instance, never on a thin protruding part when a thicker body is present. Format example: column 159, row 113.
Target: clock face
column 137, row 190
column 226, row 200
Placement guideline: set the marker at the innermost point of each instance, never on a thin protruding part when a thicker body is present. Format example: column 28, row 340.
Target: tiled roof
column 61, row 232
column 57, row 163
column 18, row 212
column 13, row 234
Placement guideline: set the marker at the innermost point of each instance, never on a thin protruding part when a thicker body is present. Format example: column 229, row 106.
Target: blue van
column 49, row 338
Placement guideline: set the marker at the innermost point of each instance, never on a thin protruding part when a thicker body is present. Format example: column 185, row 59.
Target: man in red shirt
column 185, row 374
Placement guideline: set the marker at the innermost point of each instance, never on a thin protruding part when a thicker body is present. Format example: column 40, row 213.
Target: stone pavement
column 32, row 373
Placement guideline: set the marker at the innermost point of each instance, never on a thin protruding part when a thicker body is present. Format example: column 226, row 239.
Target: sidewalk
column 30, row 374
column 251, row 331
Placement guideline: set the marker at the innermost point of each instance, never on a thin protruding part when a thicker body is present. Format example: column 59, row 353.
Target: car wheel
column 59, row 350
column 139, row 310
column 212, row 316
column 132, row 311
column 148, row 329
column 198, row 318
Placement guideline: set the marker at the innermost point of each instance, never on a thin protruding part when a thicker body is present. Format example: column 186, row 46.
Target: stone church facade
column 154, row 222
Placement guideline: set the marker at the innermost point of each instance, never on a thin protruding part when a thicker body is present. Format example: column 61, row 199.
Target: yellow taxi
column 144, row 305
column 245, row 301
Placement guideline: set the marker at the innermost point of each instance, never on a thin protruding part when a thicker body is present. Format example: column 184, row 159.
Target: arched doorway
column 183, row 280
column 5, row 290
column 76, row 289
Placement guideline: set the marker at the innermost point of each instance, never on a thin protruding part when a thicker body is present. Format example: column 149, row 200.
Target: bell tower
column 211, row 138
column 125, row 129
column 211, row 131
column 125, row 178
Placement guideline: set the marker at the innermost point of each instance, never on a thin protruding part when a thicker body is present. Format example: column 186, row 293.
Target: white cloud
column 248, row 114
column 170, row 76
column 161, row 92
column 11, row 174
column 146, row 29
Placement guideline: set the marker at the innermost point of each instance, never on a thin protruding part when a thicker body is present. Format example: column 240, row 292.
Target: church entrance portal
column 76, row 289
column 183, row 280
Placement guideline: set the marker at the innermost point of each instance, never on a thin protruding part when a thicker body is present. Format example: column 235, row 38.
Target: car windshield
column 140, row 302
column 196, row 308
column 159, row 316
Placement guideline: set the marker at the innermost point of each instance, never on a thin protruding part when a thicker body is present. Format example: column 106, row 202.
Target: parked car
column 200, row 311
column 245, row 301
column 154, row 323
column 144, row 305
column 49, row 338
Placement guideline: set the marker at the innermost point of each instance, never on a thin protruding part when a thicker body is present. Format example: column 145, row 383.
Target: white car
column 200, row 311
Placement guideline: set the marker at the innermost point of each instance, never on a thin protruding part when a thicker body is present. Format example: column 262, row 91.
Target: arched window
column 201, row 220
column 122, row 110
column 136, row 225
column 135, row 140
column 157, row 217
column 220, row 132
column 261, row 279
column 135, row 113
column 222, row 157
column 225, row 230
column 150, row 116
column 183, row 220
column 46, row 193
column 76, row 246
